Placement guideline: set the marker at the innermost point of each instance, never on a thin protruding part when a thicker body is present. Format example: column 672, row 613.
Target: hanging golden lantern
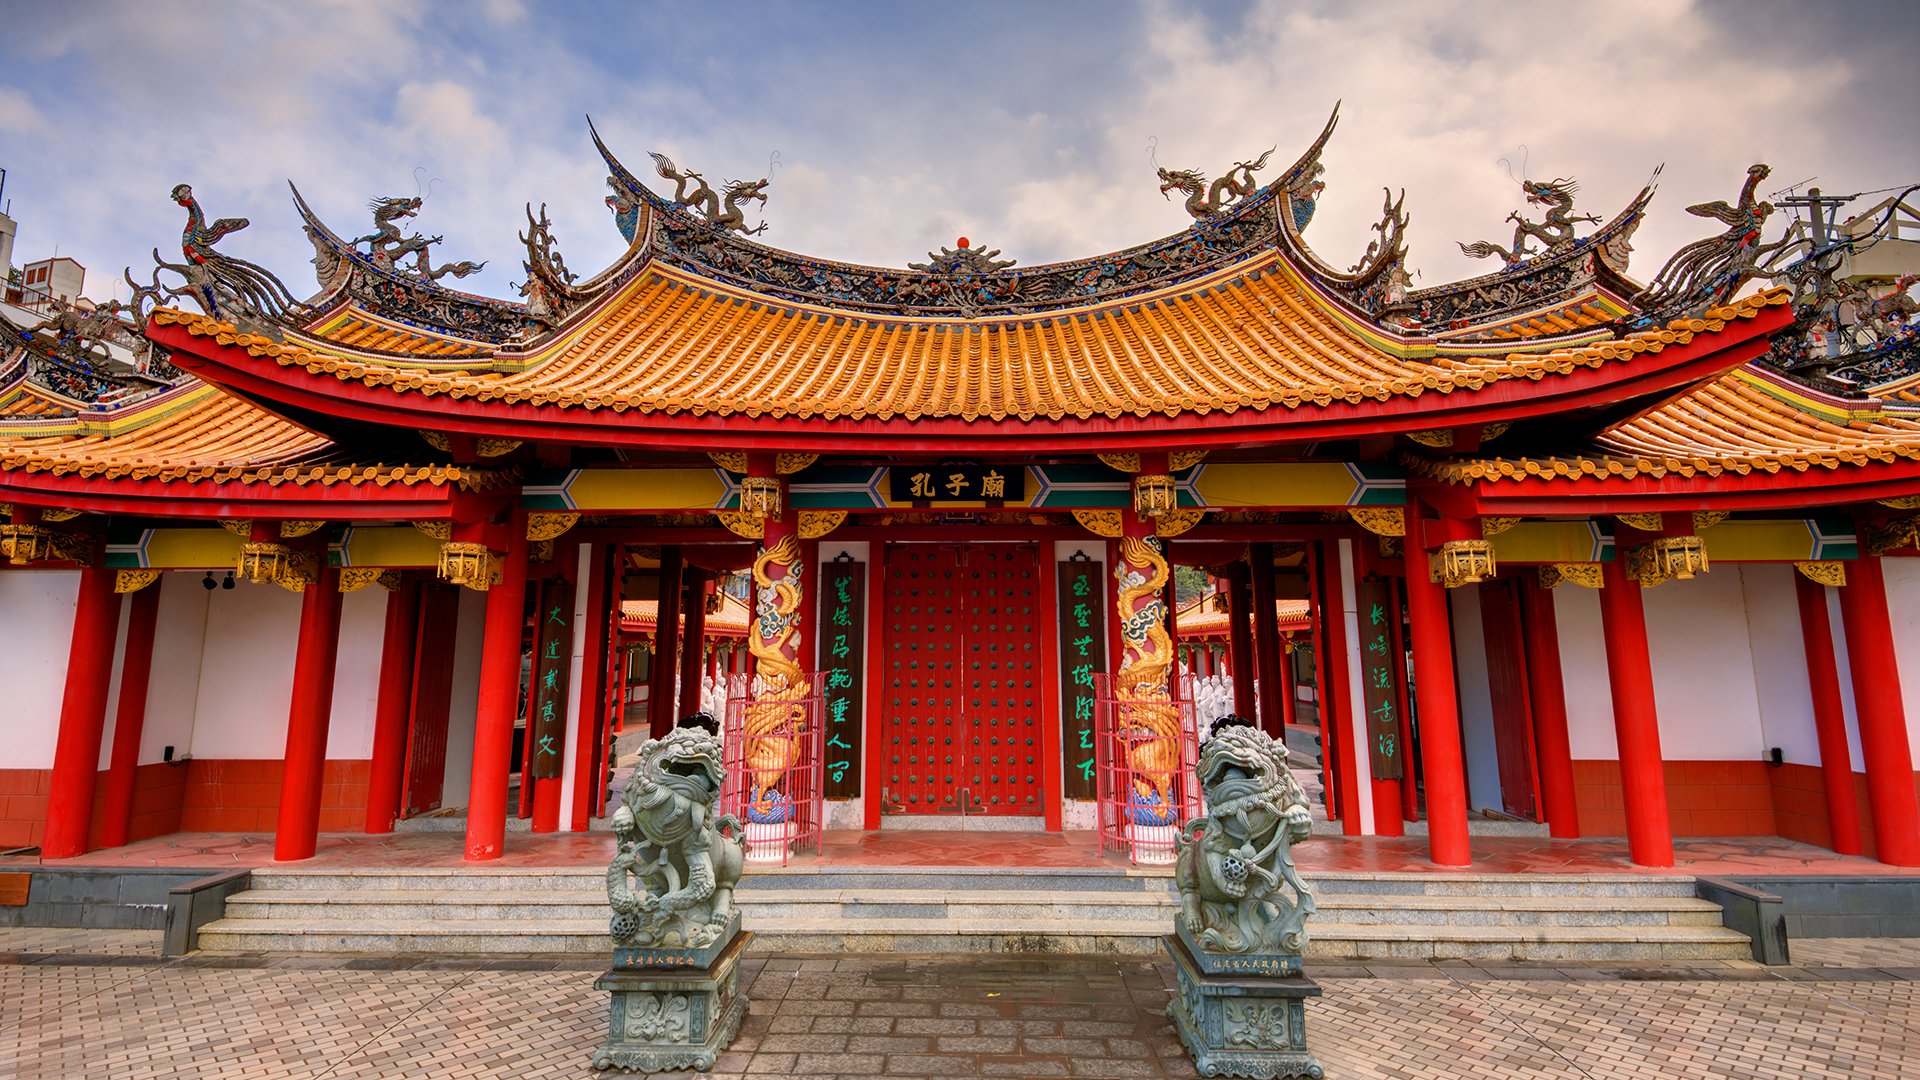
column 1669, row 558
column 23, row 544
column 466, row 564
column 1153, row 494
column 760, row 497
column 1462, row 562
column 262, row 561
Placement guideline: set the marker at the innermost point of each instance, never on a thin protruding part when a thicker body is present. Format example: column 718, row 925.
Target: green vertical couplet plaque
column 1083, row 654
column 1377, row 660
column 552, row 661
column 842, row 616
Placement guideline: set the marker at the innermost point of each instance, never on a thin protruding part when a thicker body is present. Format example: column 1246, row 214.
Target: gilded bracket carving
column 241, row 528
column 1902, row 502
column 1380, row 520
column 294, row 530
column 55, row 517
column 491, row 447
column 751, row 526
column 1585, row 574
column 355, row 578
column 1438, row 438
column 1891, row 535
column 128, row 581
column 815, row 524
column 788, row 464
column 1707, row 519
column 436, row 439
column 1185, row 459
column 1490, row 432
column 1494, row 526
column 1670, row 558
column 1644, row 522
column 1126, row 463
column 1830, row 572
column 1175, row 522
column 730, row 460
column 548, row 525
column 439, row 530
column 1099, row 522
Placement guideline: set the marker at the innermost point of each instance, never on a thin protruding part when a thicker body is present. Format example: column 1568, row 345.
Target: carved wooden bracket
column 128, row 581
column 815, row 524
column 1830, row 572
column 1585, row 574
column 548, row 525
column 751, row 526
column 1099, row 522
column 1380, row 520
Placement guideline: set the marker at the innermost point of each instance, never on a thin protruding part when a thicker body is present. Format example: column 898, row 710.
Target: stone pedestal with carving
column 1252, row 1025
column 667, row 1016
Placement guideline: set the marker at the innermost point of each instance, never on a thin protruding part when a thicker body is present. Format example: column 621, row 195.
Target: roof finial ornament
column 1204, row 201
column 224, row 286
column 721, row 209
column 387, row 248
column 963, row 258
column 1707, row 272
column 1552, row 231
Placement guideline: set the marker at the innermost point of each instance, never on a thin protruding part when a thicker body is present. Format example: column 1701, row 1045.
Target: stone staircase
column 1380, row 916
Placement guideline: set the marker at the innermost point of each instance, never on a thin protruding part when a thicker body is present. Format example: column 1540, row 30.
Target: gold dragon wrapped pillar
column 1146, row 718
column 777, row 714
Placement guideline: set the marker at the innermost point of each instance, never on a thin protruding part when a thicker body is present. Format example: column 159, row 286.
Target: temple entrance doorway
column 962, row 686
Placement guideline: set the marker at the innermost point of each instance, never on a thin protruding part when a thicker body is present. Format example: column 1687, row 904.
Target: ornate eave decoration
column 1462, row 562
column 1667, row 558
column 1380, row 520
column 1153, row 495
column 22, row 545
column 469, row 565
column 760, row 498
column 1829, row 572
column 1587, row 575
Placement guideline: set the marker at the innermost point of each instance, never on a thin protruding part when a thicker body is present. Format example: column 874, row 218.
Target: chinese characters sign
column 1083, row 653
column 1377, row 663
column 842, row 616
column 961, row 483
column 552, row 658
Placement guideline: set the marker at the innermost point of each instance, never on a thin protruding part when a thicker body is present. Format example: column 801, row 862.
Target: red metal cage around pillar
column 1144, row 754
column 776, row 780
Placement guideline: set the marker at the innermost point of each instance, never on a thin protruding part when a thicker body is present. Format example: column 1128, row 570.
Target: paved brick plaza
column 104, row 1003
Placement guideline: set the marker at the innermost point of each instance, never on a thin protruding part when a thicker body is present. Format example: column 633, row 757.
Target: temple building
column 1549, row 544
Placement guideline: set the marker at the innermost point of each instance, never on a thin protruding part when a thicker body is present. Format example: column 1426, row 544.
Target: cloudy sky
column 900, row 126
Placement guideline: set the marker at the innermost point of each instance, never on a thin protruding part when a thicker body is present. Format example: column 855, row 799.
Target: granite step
column 773, row 906
column 1327, row 940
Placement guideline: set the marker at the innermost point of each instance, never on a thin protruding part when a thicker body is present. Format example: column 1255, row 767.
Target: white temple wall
column 1703, row 683
column 33, row 667
column 464, row 702
column 179, row 644
column 1903, row 601
column 1583, row 670
column 356, row 674
column 1476, row 700
column 246, row 673
column 1779, row 662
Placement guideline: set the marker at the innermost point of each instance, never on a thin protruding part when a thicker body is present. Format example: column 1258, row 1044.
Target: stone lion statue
column 1233, row 863
column 684, row 860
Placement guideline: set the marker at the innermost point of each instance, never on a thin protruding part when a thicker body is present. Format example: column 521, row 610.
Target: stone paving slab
column 899, row 1016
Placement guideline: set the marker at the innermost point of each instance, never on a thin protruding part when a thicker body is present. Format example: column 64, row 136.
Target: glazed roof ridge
column 202, row 433
column 671, row 346
column 1748, row 420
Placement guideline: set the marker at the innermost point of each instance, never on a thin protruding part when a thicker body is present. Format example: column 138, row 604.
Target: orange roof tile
column 199, row 432
column 641, row 615
column 1745, row 421
column 1251, row 337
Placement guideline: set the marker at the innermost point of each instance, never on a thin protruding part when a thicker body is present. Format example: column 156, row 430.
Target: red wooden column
column 498, row 700
column 136, row 668
column 1883, row 718
column 1266, row 640
column 1830, row 723
column 1409, row 779
column 83, row 716
column 297, row 829
column 666, row 643
column 393, row 701
column 1552, row 746
column 1240, row 662
column 1636, row 724
column 693, row 647
column 1442, row 766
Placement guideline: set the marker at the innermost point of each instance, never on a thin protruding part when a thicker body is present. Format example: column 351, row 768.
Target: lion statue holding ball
column 1236, row 863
